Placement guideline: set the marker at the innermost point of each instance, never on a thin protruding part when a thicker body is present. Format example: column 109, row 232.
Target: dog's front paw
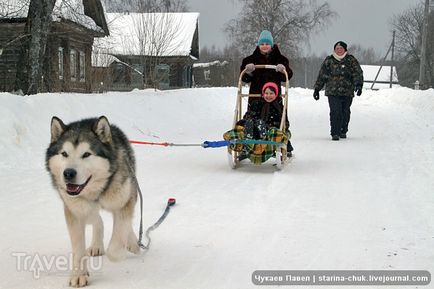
column 95, row 250
column 116, row 252
column 79, row 280
column 133, row 245
column 133, row 248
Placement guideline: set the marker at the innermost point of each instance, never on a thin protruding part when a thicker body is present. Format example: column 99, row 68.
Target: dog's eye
column 64, row 154
column 86, row 154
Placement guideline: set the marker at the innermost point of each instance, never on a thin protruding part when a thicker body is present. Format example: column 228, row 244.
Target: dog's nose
column 69, row 174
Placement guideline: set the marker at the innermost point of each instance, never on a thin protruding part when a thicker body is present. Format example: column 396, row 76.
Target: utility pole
column 423, row 56
column 391, row 47
column 392, row 63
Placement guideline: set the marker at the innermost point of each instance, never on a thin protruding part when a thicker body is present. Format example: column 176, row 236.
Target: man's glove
column 280, row 68
column 358, row 91
column 316, row 94
column 250, row 68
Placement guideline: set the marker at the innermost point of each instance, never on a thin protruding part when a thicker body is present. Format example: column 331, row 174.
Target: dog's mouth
column 74, row 189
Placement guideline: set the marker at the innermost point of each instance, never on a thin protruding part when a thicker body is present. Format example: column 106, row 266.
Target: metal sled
column 280, row 153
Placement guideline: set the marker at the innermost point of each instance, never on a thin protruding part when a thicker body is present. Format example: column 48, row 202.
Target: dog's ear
column 57, row 128
column 102, row 130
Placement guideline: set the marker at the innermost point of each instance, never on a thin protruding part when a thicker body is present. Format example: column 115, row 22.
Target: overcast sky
column 359, row 22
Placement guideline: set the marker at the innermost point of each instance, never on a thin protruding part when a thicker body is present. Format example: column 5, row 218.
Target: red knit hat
column 272, row 86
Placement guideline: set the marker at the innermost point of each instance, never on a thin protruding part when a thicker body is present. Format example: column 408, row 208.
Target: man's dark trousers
column 339, row 114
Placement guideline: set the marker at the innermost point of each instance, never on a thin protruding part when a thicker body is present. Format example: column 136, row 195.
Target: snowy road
column 363, row 203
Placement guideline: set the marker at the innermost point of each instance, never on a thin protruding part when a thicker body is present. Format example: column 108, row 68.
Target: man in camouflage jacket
column 341, row 74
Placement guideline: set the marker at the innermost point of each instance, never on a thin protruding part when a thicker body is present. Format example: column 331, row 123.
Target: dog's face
column 78, row 157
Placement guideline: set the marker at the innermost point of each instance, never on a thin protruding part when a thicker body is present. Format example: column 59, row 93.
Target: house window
column 206, row 74
column 82, row 66
column 118, row 72
column 163, row 71
column 73, row 64
column 60, row 57
column 137, row 75
column 186, row 76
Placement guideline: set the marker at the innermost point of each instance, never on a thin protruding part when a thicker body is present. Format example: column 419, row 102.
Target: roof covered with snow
column 72, row 10
column 149, row 34
column 209, row 64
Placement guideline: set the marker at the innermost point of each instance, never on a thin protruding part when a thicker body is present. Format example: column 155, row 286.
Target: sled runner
column 258, row 151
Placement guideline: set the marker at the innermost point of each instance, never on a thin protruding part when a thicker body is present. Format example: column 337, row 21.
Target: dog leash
column 170, row 203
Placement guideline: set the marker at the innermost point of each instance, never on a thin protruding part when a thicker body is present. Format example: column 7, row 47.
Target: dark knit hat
column 265, row 37
column 341, row 43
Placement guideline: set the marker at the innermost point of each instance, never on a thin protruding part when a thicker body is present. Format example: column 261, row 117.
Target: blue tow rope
column 224, row 143
column 210, row 144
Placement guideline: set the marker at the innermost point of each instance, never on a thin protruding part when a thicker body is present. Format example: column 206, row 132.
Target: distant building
column 383, row 78
column 147, row 50
column 68, row 54
column 212, row 74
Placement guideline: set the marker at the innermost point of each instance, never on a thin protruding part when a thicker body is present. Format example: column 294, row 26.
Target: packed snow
column 361, row 203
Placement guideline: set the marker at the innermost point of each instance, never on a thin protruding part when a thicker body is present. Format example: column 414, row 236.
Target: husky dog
column 92, row 165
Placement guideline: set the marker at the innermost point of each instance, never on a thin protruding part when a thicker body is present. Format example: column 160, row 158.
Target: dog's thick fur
column 92, row 165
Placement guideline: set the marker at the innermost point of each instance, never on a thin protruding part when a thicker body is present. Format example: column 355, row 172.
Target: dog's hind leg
column 97, row 246
column 76, row 228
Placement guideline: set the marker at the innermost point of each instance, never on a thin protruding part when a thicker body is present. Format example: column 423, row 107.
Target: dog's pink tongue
column 72, row 188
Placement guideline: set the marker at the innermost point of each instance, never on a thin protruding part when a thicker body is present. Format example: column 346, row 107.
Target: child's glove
column 248, row 129
column 261, row 126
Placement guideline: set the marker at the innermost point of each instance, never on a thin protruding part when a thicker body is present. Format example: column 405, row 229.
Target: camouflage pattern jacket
column 340, row 78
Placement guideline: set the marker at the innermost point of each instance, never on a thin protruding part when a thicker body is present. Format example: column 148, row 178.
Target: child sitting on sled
column 261, row 122
column 263, row 113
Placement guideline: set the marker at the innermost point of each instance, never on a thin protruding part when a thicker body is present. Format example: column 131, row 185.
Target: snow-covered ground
column 363, row 203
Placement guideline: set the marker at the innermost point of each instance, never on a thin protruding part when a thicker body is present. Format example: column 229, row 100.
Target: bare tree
column 33, row 40
column 290, row 22
column 38, row 26
column 12, row 8
column 364, row 55
column 158, row 34
column 155, row 34
column 176, row 6
column 230, row 55
column 141, row 45
column 408, row 26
